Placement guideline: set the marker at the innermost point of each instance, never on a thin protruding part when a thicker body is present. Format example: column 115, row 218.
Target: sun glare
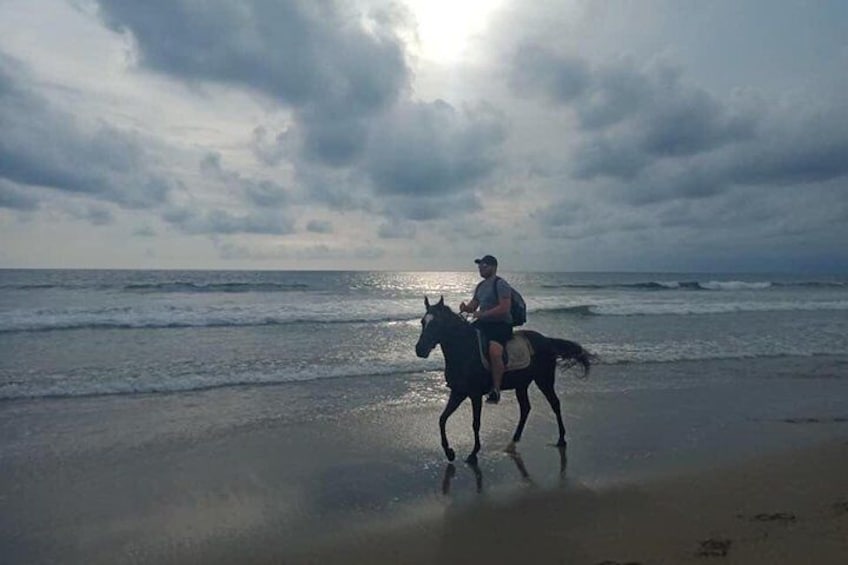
column 447, row 27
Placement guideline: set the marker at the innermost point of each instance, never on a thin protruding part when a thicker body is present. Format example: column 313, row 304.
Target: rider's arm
column 504, row 305
column 470, row 307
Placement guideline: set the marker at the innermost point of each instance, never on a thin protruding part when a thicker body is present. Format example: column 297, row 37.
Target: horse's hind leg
column 476, row 407
column 524, row 406
column 453, row 403
column 547, row 388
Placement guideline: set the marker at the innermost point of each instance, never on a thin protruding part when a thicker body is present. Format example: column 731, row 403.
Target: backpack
column 518, row 309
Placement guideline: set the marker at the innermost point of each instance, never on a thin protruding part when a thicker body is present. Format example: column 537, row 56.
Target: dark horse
column 467, row 378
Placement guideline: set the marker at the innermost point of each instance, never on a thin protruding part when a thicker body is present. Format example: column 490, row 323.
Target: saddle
column 518, row 352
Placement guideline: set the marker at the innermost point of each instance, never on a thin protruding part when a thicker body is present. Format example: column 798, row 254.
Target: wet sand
column 730, row 471
column 785, row 508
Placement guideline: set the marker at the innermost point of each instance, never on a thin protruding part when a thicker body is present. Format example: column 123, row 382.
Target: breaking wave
column 188, row 287
column 712, row 285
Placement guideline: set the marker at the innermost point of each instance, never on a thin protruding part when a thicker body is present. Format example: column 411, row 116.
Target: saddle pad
column 519, row 353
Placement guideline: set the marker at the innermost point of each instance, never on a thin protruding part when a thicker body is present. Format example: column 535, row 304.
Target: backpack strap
column 476, row 288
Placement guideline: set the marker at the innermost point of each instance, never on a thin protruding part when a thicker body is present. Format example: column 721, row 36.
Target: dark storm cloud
column 433, row 149
column 324, row 60
column 44, row 147
column 422, row 161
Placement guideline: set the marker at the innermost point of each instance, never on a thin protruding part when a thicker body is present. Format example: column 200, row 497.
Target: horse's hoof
column 471, row 459
column 450, row 453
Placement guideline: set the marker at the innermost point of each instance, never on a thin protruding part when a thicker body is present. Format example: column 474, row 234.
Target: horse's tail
column 569, row 353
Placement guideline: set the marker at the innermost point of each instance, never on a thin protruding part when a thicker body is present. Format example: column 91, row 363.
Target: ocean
column 84, row 333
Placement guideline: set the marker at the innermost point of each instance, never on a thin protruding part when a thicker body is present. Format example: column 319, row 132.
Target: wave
column 181, row 286
column 48, row 326
column 127, row 318
column 168, row 287
column 712, row 285
column 132, row 386
column 109, row 385
column 602, row 359
column 687, row 308
column 582, row 310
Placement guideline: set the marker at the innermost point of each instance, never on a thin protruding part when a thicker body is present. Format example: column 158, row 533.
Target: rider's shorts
column 500, row 332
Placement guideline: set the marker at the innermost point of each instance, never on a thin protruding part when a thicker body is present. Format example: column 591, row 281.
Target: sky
column 569, row 135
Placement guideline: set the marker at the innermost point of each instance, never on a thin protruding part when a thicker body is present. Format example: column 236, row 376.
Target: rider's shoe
column 494, row 397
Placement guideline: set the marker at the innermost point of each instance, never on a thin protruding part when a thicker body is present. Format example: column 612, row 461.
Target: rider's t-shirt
column 487, row 299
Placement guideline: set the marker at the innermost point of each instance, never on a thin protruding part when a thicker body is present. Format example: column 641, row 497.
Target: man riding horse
column 493, row 297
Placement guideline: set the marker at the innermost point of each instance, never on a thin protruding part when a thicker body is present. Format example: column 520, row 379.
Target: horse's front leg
column 453, row 403
column 476, row 407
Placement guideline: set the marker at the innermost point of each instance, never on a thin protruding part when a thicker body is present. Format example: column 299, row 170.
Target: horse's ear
column 441, row 301
column 426, row 302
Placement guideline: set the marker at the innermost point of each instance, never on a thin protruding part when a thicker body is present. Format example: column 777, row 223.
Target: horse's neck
column 461, row 348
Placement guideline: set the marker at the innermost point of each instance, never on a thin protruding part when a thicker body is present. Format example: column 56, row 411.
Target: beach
column 651, row 475
column 283, row 417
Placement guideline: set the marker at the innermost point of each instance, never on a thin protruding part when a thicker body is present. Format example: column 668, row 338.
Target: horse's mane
column 452, row 316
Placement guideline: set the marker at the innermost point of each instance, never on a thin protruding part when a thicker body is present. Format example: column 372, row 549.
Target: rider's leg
column 497, row 364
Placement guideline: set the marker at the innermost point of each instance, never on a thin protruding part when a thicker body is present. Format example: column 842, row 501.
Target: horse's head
column 433, row 325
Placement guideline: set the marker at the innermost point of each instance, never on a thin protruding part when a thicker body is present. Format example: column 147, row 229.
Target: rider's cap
column 487, row 260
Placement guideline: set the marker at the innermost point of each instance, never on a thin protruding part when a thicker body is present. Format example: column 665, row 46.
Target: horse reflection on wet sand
column 467, row 378
column 450, row 471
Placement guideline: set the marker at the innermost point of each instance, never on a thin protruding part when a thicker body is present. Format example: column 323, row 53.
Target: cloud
column 42, row 146
column 317, row 253
column 645, row 137
column 422, row 161
column 15, row 197
column 221, row 222
column 259, row 193
column 537, row 70
column 334, row 66
column 396, row 229
column 630, row 116
column 319, row 226
column 270, row 151
column 144, row 231
column 355, row 136
column 94, row 214
column 423, row 208
column 433, row 149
